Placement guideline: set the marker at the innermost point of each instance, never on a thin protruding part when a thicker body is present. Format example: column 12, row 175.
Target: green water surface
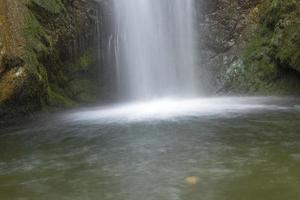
column 236, row 156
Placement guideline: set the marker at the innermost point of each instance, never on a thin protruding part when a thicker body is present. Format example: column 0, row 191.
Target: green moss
column 40, row 45
column 85, row 61
column 59, row 100
column 273, row 49
column 52, row 73
column 81, row 89
column 37, row 40
column 53, row 6
column 49, row 29
column 272, row 11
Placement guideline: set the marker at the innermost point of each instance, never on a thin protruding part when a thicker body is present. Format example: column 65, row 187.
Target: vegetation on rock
column 57, row 37
column 271, row 58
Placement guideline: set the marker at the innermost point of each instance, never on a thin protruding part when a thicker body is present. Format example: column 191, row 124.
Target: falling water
column 155, row 48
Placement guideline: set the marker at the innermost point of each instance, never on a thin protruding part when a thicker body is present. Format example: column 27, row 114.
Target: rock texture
column 250, row 46
column 271, row 57
column 225, row 27
column 47, row 54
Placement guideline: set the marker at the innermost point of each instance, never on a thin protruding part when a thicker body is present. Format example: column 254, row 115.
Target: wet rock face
column 251, row 47
column 275, row 45
column 2, row 53
column 8, row 62
column 224, row 27
column 13, row 75
column 223, row 22
column 58, row 67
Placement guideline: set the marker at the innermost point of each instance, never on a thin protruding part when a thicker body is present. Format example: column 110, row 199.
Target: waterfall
column 155, row 48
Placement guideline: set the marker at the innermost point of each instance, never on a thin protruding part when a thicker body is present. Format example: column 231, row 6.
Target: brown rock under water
column 192, row 180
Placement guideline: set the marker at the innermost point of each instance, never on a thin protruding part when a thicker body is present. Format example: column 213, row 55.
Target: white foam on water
column 170, row 108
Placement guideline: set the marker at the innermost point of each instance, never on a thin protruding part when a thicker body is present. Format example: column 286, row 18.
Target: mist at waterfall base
column 157, row 75
column 155, row 51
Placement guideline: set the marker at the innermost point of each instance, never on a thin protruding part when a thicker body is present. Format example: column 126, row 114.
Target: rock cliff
column 48, row 54
column 250, row 46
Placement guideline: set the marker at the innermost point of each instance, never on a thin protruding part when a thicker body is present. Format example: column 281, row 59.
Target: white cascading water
column 155, row 48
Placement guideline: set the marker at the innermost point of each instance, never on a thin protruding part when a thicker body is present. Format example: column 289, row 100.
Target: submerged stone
column 192, row 180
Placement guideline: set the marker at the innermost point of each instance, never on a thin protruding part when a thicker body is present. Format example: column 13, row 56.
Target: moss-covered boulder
column 271, row 59
column 45, row 54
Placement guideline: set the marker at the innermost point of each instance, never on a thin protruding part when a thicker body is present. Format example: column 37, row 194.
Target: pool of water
column 233, row 149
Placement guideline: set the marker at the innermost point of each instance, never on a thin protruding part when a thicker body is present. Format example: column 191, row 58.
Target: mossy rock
column 58, row 99
column 22, row 90
column 272, row 55
column 47, row 34
column 83, row 90
column 53, row 6
column 48, row 70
